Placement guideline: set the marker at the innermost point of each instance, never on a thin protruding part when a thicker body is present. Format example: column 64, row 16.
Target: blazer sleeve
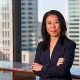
column 37, row 59
column 63, row 69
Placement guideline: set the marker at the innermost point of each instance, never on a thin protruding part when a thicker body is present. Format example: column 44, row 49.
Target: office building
column 29, row 25
column 74, row 27
column 10, row 30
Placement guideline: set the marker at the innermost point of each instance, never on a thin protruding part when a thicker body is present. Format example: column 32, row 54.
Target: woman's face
column 53, row 26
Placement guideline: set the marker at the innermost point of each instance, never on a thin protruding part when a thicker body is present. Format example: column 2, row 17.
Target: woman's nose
column 53, row 25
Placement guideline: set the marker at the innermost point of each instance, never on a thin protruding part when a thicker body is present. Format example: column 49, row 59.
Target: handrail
column 75, row 72
column 76, row 77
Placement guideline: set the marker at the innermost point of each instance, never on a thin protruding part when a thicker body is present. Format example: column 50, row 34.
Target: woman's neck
column 53, row 39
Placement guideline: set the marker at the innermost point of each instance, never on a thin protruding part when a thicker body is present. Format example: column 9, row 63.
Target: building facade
column 74, row 27
column 29, row 25
column 10, row 16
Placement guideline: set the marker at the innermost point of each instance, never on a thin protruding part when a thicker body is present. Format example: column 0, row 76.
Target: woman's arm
column 37, row 61
column 61, row 70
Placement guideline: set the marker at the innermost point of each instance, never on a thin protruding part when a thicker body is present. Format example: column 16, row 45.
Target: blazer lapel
column 55, row 53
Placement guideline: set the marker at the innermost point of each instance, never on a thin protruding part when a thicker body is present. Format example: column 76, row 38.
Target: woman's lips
column 53, row 31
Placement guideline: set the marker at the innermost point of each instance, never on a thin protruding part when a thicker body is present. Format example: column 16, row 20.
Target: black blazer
column 51, row 71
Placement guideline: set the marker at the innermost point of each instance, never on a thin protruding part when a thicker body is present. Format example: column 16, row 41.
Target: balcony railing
column 21, row 71
column 75, row 71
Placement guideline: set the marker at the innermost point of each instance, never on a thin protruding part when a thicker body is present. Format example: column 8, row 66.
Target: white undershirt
column 51, row 49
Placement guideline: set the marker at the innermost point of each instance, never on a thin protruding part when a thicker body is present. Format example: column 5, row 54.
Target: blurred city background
column 20, row 27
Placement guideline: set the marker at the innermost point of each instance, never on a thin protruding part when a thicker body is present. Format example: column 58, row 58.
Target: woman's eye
column 57, row 22
column 48, row 23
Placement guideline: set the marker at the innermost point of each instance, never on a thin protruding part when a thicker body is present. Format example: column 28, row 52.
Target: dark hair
column 45, row 34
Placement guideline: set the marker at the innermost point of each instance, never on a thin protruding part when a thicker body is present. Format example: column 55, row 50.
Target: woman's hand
column 60, row 61
column 36, row 67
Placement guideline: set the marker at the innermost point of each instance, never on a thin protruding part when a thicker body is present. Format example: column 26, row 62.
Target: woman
column 55, row 54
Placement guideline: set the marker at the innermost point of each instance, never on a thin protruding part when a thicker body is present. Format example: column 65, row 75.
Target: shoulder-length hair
column 45, row 34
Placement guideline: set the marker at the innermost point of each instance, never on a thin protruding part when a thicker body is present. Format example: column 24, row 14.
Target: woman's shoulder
column 40, row 43
column 43, row 45
column 68, row 42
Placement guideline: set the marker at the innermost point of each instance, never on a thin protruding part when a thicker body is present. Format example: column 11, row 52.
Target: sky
column 46, row 5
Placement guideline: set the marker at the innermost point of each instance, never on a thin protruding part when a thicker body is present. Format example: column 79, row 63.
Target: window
column 24, row 59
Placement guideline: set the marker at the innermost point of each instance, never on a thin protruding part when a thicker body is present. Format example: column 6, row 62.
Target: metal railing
column 75, row 77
